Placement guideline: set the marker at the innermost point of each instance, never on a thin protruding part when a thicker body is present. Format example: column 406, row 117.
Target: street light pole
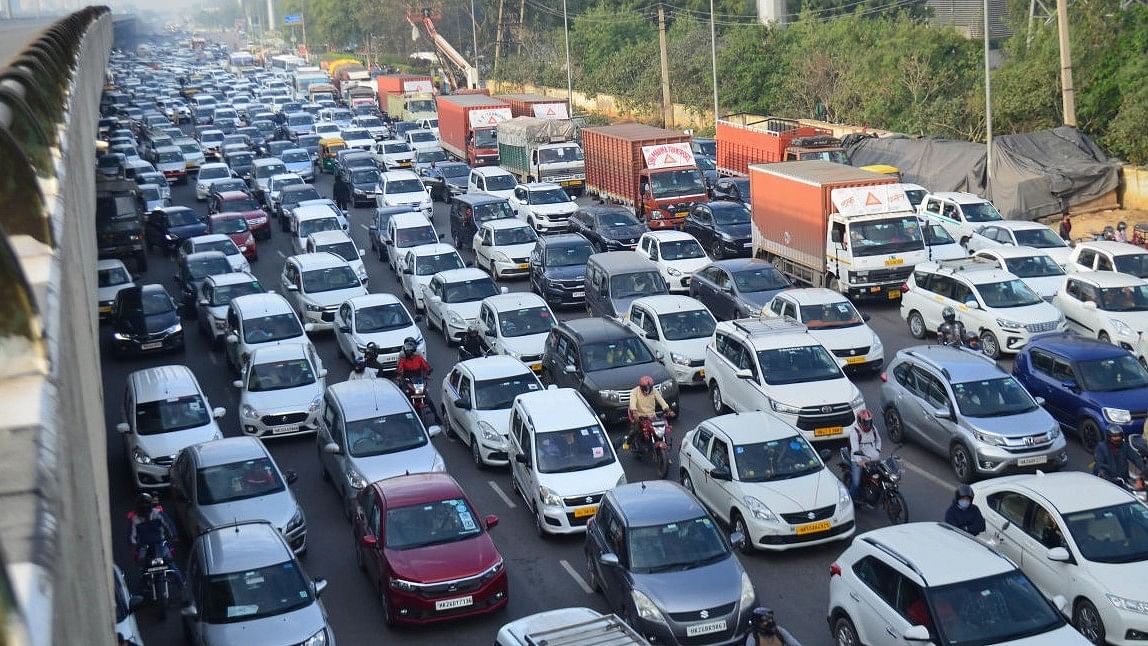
column 988, row 105
column 474, row 32
column 713, row 59
column 569, row 70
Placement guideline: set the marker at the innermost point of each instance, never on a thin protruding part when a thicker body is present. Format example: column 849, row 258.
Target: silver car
column 298, row 161
column 231, row 480
column 280, row 388
column 215, row 295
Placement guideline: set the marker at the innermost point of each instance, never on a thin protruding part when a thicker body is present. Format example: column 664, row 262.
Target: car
column 381, row 319
column 193, row 269
column 365, row 185
column 608, row 228
column 993, row 304
column 144, row 318
column 735, row 189
column 603, row 360
column 235, row 226
column 1076, row 536
column 545, row 206
column 280, row 388
column 241, row 161
column 961, row 214
column 516, row 324
column 340, row 244
column 277, row 146
column 492, row 180
column 558, row 268
column 403, row 188
column 368, row 431
column 738, row 288
column 304, row 221
column 394, row 154
column 256, row 320
column 662, row 562
column 722, row 227
column 243, row 579
column 164, row 411
column 299, row 162
column 833, row 320
column 1109, row 255
column 1037, row 269
column 452, row 300
column 277, row 183
column 429, row 557
column 404, row 231
column 1021, row 233
column 212, row 142
column 427, row 160
column 503, row 247
column 676, row 329
column 229, row 184
column 615, row 278
column 889, row 586
column 775, row 364
column 939, row 244
column 378, row 230
column 111, row 277
column 170, row 226
column 169, row 160
column 421, row 139
column 468, row 212
column 299, row 123
column 319, row 283
column 422, row 262
column 477, row 398
column 209, row 173
column 156, row 180
column 231, row 480
column 678, row 255
column 359, row 138
column 561, row 460
column 327, row 129
column 565, row 624
column 220, row 242
column 348, row 159
column 261, row 175
column 241, row 203
column 446, row 180
column 960, row 405
column 126, row 606
column 372, row 124
column 193, row 156
column 215, row 295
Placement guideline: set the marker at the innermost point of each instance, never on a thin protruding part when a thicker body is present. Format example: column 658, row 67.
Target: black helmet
column 372, row 348
column 948, row 314
column 965, row 491
column 761, row 616
column 1114, row 432
column 360, row 364
column 144, row 502
column 1121, row 226
column 410, row 346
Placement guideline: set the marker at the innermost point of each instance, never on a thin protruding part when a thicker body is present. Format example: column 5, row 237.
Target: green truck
column 542, row 150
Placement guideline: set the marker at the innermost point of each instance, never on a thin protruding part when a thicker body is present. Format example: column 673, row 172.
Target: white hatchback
column 340, row 244
column 318, row 283
column 1105, row 305
column 677, row 330
column 1019, row 233
column 677, row 254
column 280, row 390
column 420, row 263
column 375, row 318
column 503, row 247
column 1040, row 271
column 833, row 320
column 516, row 324
column 477, row 397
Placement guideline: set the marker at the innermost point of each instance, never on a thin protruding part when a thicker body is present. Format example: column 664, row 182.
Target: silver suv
column 960, row 404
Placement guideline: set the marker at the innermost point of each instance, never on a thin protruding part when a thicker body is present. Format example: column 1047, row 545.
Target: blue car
column 1087, row 385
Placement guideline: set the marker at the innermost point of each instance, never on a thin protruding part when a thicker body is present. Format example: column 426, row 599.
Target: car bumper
column 151, row 476
column 781, row 536
column 546, row 225
column 456, row 331
column 218, row 327
column 280, row 424
column 493, row 455
column 297, row 538
column 324, row 320
column 670, row 631
column 415, row 608
column 1123, row 628
column 737, row 248
column 889, row 292
column 852, row 365
column 249, row 251
column 679, row 284
column 689, row 375
column 511, row 268
column 170, row 342
column 567, row 296
column 566, row 520
column 995, row 460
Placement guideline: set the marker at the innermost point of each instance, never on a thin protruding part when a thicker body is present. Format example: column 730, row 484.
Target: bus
column 305, row 77
column 239, row 60
column 286, row 63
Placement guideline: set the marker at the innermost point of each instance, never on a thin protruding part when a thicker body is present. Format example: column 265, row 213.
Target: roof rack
column 896, row 555
column 922, row 358
column 608, row 630
column 758, row 327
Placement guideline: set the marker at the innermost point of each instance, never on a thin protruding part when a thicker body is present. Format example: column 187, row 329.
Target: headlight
column 843, row 497
column 140, row 456
column 548, row 497
column 680, row 359
column 455, row 318
column 315, row 403
column 178, row 327
column 248, row 412
column 121, row 337
column 1117, row 415
column 359, row 191
column 783, row 408
column 489, row 435
column 609, row 395
column 400, row 584
column 1131, row 605
column 645, row 607
column 356, row 480
column 989, row 438
column 313, row 308
column 748, row 596
column 673, row 271
column 1009, row 323
column 726, row 237
column 666, row 385
column 296, row 520
column 858, row 401
column 243, row 247
column 437, row 465
column 876, row 346
column 169, row 237
column 1121, row 327
column 759, row 510
column 501, row 257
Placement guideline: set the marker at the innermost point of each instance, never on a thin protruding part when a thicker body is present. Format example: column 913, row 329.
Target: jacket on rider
column 412, row 366
column 149, row 529
column 471, row 344
column 952, row 332
column 1112, row 462
column 968, row 519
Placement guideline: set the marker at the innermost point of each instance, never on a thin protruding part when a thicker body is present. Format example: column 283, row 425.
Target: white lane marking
column 280, row 252
column 928, row 476
column 365, row 227
column 501, row 494
column 577, row 577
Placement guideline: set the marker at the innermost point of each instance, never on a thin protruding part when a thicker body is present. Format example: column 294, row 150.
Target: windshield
column 431, row 265
column 214, row 173
column 421, row 137
column 158, row 302
column 329, row 279
column 229, row 225
column 525, row 321
column 414, row 236
column 1115, row 373
column 775, row 460
column 299, row 193
column 174, row 414
column 1008, row 293
column 760, row 279
column 431, row 523
column 295, row 157
column 386, row 434
column 705, row 163
column 708, row 148
column 397, row 186
column 113, row 276
column 1116, row 534
column 300, row 120
column 693, row 324
column 1033, row 267
column 1130, row 298
column 830, row 316
column 395, row 148
column 681, row 249
column 877, row 237
column 1042, row 238
column 380, row 318
column 223, row 294
column 341, row 115
column 368, row 176
column 981, row 212
column 627, row 351
column 500, row 182
column 356, row 134
column 499, row 394
column 345, row 250
column 493, row 211
column 936, row 234
column 455, row 170
column 1135, row 264
column 515, row 235
column 568, row 255
column 468, row 291
column 835, row 156
column 485, row 138
column 643, row 283
column 998, row 397
column 612, row 219
column 565, row 154
column 269, row 170
column 428, row 156
column 676, row 183
column 307, row 227
column 200, row 268
column 190, row 148
column 222, row 186
column 275, row 327
column 239, row 204
column 1003, row 608
column 796, row 365
column 369, row 122
column 254, row 594
column 237, row 481
column 576, row 449
column 280, row 375
column 678, row 546
column 733, row 213
column 549, row 196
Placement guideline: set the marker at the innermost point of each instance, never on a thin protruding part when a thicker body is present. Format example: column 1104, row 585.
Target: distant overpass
column 55, row 533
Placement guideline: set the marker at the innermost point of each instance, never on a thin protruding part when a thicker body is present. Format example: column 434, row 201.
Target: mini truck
column 649, row 170
column 407, row 97
column 542, row 150
column 119, row 222
column 830, row 225
column 467, row 127
column 744, row 139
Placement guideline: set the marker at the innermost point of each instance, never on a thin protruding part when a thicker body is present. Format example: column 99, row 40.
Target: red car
column 235, row 226
column 243, row 203
column 429, row 555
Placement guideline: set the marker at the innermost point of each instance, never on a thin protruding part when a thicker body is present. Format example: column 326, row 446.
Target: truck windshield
column 676, row 183
column 485, row 138
column 835, row 156
column 565, row 154
column 421, row 105
column 878, row 237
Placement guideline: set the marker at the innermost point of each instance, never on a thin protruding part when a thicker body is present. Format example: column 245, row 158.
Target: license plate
column 854, row 360
column 107, row 309
column 706, row 628
column 812, row 528
column 579, row 294
column 828, row 430
column 702, row 374
column 572, row 182
column 1027, row 462
column 151, row 346
column 279, row 430
column 747, row 245
column 894, row 293
column 893, row 262
column 583, row 512
column 524, row 265
column 460, row 602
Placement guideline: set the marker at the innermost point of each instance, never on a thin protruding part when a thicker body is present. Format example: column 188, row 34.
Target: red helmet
column 646, row 383
column 865, row 420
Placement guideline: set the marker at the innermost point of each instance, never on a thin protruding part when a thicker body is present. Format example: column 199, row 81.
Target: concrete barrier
column 1134, row 188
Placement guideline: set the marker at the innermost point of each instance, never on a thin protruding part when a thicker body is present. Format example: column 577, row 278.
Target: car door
column 291, row 286
column 368, row 522
column 432, row 301
column 932, row 397
column 934, row 299
column 330, row 432
column 450, row 394
column 885, row 599
column 344, row 329
column 694, row 456
column 1045, row 377
column 713, row 492
column 1005, row 516
column 484, row 247
column 465, row 417
column 488, row 327
column 182, row 491
column 1086, row 260
column 745, row 391
column 518, row 200
column 1043, row 531
column 566, row 356
column 234, row 330
column 699, row 223
column 615, row 580
column 725, row 296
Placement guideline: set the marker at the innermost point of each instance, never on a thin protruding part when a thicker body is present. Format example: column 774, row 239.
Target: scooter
column 415, row 389
column 158, row 577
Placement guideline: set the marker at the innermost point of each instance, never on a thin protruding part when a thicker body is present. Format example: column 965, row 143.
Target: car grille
column 452, row 588
column 522, row 260
column 802, row 517
column 284, row 418
column 1035, row 328
column 814, row 417
column 702, row 615
column 163, row 460
column 581, row 501
column 890, row 275
column 852, row 352
column 328, row 317
column 624, row 397
column 1027, row 443
column 697, row 363
column 573, row 285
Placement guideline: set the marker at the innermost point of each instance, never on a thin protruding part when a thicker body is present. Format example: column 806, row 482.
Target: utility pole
column 1068, row 93
column 522, row 24
column 569, row 70
column 498, row 40
column 474, row 33
column 988, row 106
column 713, row 60
column 271, row 16
column 667, row 105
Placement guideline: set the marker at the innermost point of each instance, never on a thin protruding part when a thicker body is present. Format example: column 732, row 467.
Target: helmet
column 761, row 616
column 1114, row 433
column 865, row 420
column 472, row 328
column 145, row 500
column 1121, row 226
column 372, row 348
column 965, row 491
column 360, row 364
column 646, row 383
column 410, row 346
column 948, row 314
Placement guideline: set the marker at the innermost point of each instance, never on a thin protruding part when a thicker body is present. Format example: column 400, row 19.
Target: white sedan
column 420, row 263
column 1019, row 233
column 835, row 323
column 1105, row 305
column 477, row 398
column 1040, row 271
column 677, row 254
column 516, row 324
column 280, row 389
column 503, row 247
column 453, row 298
column 381, row 319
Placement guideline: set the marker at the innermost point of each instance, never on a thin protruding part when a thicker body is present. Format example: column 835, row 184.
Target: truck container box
column 536, row 105
column 744, row 139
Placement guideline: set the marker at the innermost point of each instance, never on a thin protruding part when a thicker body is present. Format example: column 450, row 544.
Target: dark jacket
column 969, row 520
column 342, row 191
column 1114, row 464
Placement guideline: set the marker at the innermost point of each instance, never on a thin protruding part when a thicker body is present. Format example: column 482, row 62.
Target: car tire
column 917, row 325
column 990, row 345
column 716, row 400
column 738, row 524
column 1090, row 434
column 716, row 251
column 1087, row 621
column 476, row 454
column 539, row 524
column 894, row 425
column 592, row 574
column 963, row 464
column 844, row 633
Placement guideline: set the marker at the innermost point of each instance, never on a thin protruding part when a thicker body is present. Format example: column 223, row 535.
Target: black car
column 722, row 228
column 558, row 268
column 193, row 269
column 364, row 183
column 119, row 222
column 603, row 360
column 242, row 163
column 145, row 319
column 737, row 288
column 445, row 179
column 290, row 197
column 608, row 228
column 167, row 227
column 469, row 211
column 732, row 188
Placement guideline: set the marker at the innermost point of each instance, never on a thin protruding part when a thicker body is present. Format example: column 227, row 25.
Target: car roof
column 418, row 488
column 316, row 260
column 457, row 275
column 371, row 300
column 654, row 502
column 1067, row 491
column 618, row 261
column 557, row 409
column 213, row 165
column 1112, row 247
column 965, row 558
column 228, row 450
column 204, row 255
column 109, row 263
column 227, row 196
column 490, row 170
column 505, row 223
column 409, row 219
column 814, row 295
column 329, row 237
column 1104, row 279
column 1014, row 251
column 244, row 546
column 591, row 329
column 960, row 364
column 395, row 175
column 960, row 197
column 514, row 301
column 1018, row 225
column 563, row 239
column 267, row 161
column 495, row 366
column 431, row 249
column 368, row 398
column 663, row 303
column 1075, row 346
column 258, row 305
column 163, row 382
column 772, row 333
column 666, row 236
column 739, row 264
column 476, row 199
column 752, row 427
column 538, row 186
column 279, row 177
column 976, row 271
column 231, row 278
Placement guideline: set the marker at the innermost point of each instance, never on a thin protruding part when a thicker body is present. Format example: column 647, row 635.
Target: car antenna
column 236, row 524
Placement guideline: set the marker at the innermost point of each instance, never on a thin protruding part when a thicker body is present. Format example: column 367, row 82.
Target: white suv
column 961, row 214
column 931, row 582
column 777, row 365
column 1109, row 255
column 992, row 303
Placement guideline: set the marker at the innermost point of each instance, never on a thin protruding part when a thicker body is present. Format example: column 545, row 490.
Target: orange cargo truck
column 536, row 105
column 744, row 139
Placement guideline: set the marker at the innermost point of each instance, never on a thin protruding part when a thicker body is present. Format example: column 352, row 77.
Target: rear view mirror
column 219, row 412
column 744, row 373
column 609, row 559
column 1059, row 554
column 435, row 430
column 916, row 634
column 290, row 476
column 721, row 473
column 332, row 448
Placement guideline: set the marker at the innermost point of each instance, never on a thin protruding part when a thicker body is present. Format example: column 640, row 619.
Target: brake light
column 904, row 287
column 834, row 570
column 885, row 377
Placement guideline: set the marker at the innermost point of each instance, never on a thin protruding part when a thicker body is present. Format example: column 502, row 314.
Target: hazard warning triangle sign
column 871, row 199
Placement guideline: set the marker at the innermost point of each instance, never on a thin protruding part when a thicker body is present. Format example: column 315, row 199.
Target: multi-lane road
column 544, row 574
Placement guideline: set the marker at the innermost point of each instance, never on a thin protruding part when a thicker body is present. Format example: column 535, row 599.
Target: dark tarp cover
column 1034, row 173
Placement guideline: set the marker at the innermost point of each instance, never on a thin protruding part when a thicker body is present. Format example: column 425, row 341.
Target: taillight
column 834, row 570
column 904, row 287
column 885, row 377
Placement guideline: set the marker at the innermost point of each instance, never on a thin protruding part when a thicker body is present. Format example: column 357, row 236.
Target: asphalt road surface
column 544, row 574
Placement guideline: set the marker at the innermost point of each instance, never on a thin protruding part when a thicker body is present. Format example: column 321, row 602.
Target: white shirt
column 367, row 373
column 869, row 444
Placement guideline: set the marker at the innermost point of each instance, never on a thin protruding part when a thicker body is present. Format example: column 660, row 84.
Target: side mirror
column 485, row 243
column 737, row 539
column 865, row 317
column 744, row 373
column 373, row 229
column 504, row 290
column 345, row 329
column 1061, row 603
column 522, row 459
column 123, row 427
column 290, row 476
column 491, row 521
column 825, row 455
column 942, row 412
column 1059, row 554
column 189, row 611
column 309, row 327
column 1071, row 385
column 408, row 272
column 570, row 370
column 332, row 448
column 362, row 253
column 462, row 404
column 916, row 634
column 135, row 602
column 721, row 473
column 369, row 540
column 232, row 338
column 609, row 559
column 322, row 373
column 435, row 430
column 292, row 288
column 1089, row 305
column 972, row 305
column 219, row 412
column 1039, row 401
column 203, row 302
column 320, row 586
column 238, row 383
column 440, row 236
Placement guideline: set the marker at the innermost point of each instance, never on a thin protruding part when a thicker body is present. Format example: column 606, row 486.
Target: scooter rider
column 764, row 631
column 963, row 514
column 1113, row 456
column 952, row 332
column 360, row 371
column 644, row 403
column 470, row 347
column 864, row 447
column 152, row 527
column 412, row 365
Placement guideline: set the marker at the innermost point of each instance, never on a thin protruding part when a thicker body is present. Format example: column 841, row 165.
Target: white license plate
column 280, row 430
column 1027, row 462
column 151, row 346
column 706, row 628
column 460, row 602
column 579, row 294
column 748, row 245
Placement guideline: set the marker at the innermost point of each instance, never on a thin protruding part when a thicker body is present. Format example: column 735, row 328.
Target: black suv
column 558, row 268
column 608, row 228
column 468, row 212
column 722, row 227
column 119, row 222
column 603, row 360
column 145, row 319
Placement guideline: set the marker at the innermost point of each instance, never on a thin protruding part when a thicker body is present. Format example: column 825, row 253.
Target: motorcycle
column 158, row 578
column 654, row 439
column 880, row 485
column 415, row 388
column 1136, row 485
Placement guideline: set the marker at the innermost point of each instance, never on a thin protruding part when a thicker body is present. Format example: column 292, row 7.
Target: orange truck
column 407, row 97
column 536, row 105
column 650, row 170
column 744, row 139
column 468, row 126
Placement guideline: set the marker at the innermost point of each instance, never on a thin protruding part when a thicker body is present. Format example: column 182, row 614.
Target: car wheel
column 716, row 251
column 592, row 574
column 1086, row 619
column 990, row 345
column 1103, row 336
column 716, row 399
column 1090, row 434
column 539, row 523
column 962, row 463
column 476, row 454
column 445, row 335
column 737, row 525
column 844, row 633
column 917, row 325
column 686, row 480
column 894, row 425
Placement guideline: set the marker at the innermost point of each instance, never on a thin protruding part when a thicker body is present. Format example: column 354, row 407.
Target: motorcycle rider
column 151, row 527
column 412, row 365
column 952, row 332
column 764, row 631
column 361, row 371
column 371, row 356
column 1113, row 456
column 644, row 403
column 864, row 447
column 470, row 347
column 963, row 514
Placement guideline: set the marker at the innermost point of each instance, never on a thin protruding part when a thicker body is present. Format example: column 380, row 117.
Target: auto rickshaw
column 328, row 148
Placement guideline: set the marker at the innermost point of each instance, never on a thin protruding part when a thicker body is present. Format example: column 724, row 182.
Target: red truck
column 404, row 83
column 468, row 124
column 648, row 169
column 744, row 139
column 536, row 105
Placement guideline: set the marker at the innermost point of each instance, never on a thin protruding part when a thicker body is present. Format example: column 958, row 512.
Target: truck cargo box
column 616, row 155
column 744, row 139
column 466, row 126
column 536, row 105
column 404, row 83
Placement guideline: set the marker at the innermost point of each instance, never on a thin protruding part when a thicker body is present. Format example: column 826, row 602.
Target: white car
column 404, row 188
column 1079, row 537
column 677, row 254
column 358, row 138
column 215, row 242
column 543, row 205
column 215, row 295
column 256, row 320
column 1039, row 270
column 503, row 247
column 422, row 139
column 763, row 479
column 420, row 263
column 677, row 330
column 327, row 129
column 280, row 389
column 1105, row 305
column 373, row 125
column 961, row 214
column 308, row 220
column 394, row 154
column 477, row 398
column 832, row 319
column 939, row 244
column 340, row 244
column 405, row 231
column 453, row 298
column 1108, row 255
column 381, row 319
column 319, row 283
column 492, row 180
column 275, row 185
column 209, row 174
column 1019, row 233
column 111, row 277
column 516, row 324
column 126, row 606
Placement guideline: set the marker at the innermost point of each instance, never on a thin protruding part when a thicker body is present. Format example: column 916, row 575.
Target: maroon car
column 235, row 226
column 424, row 547
column 245, row 204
